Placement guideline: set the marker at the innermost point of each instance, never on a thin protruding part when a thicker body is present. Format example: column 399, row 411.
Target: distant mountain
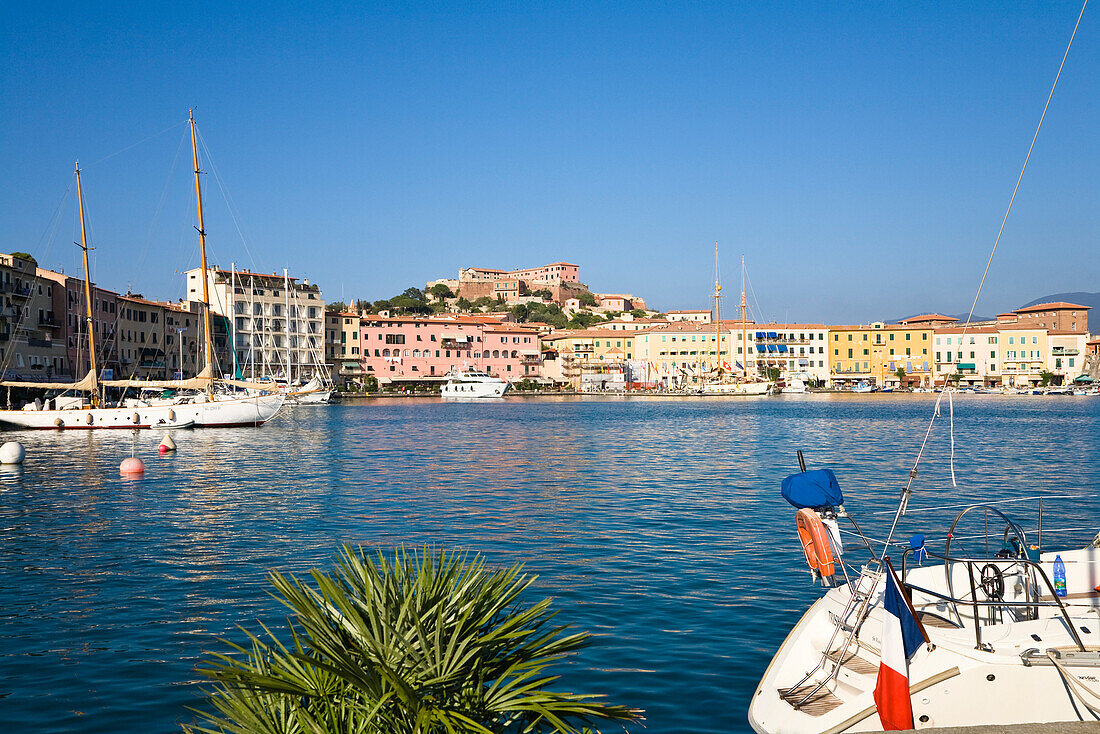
column 1084, row 299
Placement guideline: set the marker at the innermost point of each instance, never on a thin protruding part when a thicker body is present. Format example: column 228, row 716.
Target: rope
column 995, row 502
column 905, row 495
column 131, row 147
column 230, row 205
column 951, row 409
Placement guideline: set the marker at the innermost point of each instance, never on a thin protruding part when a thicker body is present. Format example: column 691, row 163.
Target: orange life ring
column 815, row 542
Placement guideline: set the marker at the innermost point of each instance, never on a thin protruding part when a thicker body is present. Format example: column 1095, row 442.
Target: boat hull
column 249, row 411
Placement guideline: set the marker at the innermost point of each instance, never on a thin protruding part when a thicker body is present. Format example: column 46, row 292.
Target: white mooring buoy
column 167, row 444
column 12, row 452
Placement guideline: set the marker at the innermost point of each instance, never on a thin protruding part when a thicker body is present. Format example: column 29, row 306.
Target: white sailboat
column 995, row 629
column 209, row 407
column 722, row 381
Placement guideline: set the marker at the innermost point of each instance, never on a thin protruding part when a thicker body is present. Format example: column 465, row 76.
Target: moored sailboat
column 208, row 406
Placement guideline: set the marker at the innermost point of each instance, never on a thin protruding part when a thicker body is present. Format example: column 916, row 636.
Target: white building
column 699, row 316
column 792, row 349
column 276, row 323
column 974, row 355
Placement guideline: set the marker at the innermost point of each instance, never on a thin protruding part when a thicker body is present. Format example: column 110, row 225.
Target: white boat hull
column 247, row 411
column 736, row 388
column 490, row 388
column 314, row 397
column 951, row 684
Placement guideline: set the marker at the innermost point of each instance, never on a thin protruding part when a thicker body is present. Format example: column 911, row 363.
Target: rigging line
column 759, row 312
column 1023, row 168
column 947, row 386
column 993, row 502
column 131, row 147
column 160, row 208
column 229, row 203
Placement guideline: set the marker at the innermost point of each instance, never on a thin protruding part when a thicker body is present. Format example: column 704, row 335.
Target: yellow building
column 577, row 356
column 683, row 351
column 875, row 353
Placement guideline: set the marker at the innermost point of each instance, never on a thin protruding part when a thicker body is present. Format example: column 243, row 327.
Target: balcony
column 20, row 291
column 1064, row 352
column 48, row 322
column 35, row 342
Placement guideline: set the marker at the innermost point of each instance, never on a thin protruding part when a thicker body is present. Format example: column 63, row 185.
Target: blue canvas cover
column 814, row 488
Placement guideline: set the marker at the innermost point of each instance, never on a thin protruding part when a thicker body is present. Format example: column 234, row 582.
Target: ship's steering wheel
column 993, row 582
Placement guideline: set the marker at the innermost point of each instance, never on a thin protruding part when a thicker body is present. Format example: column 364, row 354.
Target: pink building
column 399, row 349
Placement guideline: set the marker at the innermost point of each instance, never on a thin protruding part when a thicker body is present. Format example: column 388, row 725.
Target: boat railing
column 988, row 582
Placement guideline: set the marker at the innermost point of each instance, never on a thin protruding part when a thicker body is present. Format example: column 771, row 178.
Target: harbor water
column 655, row 523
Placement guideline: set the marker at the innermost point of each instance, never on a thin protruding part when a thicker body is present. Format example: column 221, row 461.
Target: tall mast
column 232, row 308
column 744, row 333
column 286, row 301
column 209, row 347
column 718, row 318
column 87, row 291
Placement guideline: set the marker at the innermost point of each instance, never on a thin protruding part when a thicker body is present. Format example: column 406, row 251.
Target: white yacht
column 796, row 384
column 473, row 384
column 1013, row 631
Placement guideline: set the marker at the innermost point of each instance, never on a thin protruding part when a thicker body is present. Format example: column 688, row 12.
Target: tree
column 440, row 291
column 381, row 305
column 587, row 299
column 417, row 641
column 544, row 293
column 483, row 301
column 370, row 383
column 773, row 373
column 336, row 307
column 1046, row 378
column 519, row 312
column 638, row 313
column 584, row 319
column 463, row 305
column 415, row 294
column 25, row 256
column 901, row 375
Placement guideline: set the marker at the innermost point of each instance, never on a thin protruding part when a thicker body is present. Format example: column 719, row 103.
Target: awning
column 761, row 348
column 966, row 366
column 803, row 363
column 782, row 347
column 455, row 337
column 773, row 348
column 530, row 352
column 1083, row 378
column 760, row 335
column 773, row 335
column 350, row 365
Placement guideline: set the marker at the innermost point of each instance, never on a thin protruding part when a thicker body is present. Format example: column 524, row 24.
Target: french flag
column 902, row 635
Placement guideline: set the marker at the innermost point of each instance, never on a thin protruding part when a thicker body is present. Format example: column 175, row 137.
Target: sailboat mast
column 232, row 308
column 718, row 318
column 87, row 291
column 286, row 301
column 209, row 348
column 744, row 332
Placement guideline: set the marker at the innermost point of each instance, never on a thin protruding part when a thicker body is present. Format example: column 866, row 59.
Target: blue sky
column 859, row 154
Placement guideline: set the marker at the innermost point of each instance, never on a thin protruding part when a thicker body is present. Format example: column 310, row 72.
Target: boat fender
column 815, row 543
column 137, row 418
column 59, row 423
column 172, row 415
column 88, row 419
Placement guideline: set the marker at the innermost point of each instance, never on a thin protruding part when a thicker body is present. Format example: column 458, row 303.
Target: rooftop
column 1055, row 306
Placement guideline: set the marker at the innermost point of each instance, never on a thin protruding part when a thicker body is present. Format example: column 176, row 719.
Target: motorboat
column 863, row 387
column 473, row 384
column 796, row 385
column 1012, row 629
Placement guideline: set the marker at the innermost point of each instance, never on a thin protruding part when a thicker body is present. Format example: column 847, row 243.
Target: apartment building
column 972, row 353
column 702, row 316
column 877, row 352
column 31, row 347
column 792, row 349
column 275, row 323
column 412, row 350
column 682, row 352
